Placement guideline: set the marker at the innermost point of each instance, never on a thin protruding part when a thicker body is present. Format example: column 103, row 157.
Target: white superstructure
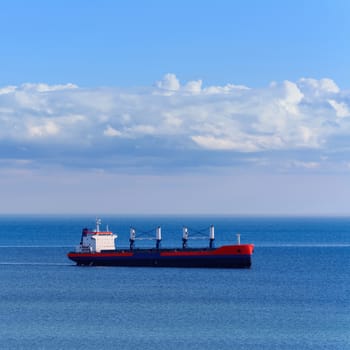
column 95, row 241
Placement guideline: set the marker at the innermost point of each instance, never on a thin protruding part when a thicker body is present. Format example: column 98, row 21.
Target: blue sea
column 295, row 296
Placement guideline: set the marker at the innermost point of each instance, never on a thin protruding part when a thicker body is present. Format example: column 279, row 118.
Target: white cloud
column 169, row 82
column 292, row 98
column 341, row 108
column 46, row 88
column 109, row 131
column 7, row 89
column 306, row 165
column 142, row 129
column 171, row 123
column 224, row 89
column 194, row 87
column 218, row 143
column 314, row 88
column 48, row 128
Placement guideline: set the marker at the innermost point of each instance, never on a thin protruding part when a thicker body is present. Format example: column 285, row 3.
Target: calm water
column 295, row 296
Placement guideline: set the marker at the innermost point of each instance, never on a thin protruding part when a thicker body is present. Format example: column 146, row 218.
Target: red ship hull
column 232, row 256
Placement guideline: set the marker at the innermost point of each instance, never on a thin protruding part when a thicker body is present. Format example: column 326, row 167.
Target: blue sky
column 226, row 107
column 133, row 43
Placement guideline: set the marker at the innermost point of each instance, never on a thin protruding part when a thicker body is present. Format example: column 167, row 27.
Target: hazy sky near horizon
column 175, row 107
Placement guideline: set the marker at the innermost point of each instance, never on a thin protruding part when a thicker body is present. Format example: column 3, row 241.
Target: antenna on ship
column 211, row 236
column 238, row 238
column 98, row 223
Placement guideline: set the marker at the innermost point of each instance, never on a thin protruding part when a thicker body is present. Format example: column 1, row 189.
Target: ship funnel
column 211, row 236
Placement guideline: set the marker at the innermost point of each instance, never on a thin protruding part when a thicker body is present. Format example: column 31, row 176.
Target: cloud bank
column 173, row 126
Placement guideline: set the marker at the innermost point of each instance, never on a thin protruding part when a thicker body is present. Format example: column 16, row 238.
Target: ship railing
column 144, row 238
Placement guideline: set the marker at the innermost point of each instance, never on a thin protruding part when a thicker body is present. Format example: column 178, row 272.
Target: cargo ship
column 98, row 248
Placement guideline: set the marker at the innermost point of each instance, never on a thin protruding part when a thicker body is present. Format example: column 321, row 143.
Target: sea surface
column 295, row 296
